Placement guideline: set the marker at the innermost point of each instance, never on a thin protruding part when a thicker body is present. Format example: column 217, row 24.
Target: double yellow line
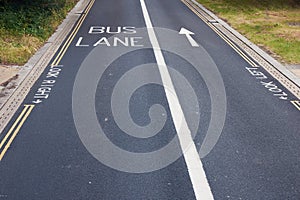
column 296, row 104
column 228, row 41
column 66, row 45
column 13, row 131
column 15, row 128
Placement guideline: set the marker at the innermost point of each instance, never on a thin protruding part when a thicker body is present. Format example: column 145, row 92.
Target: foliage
column 26, row 24
column 29, row 17
column 272, row 24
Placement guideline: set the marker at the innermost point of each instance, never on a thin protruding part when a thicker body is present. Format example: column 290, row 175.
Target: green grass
column 26, row 24
column 272, row 24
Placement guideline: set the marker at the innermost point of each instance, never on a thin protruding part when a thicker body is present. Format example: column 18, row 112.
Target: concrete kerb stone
column 290, row 75
column 31, row 71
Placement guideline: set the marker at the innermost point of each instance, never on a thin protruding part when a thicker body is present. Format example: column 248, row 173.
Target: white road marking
column 192, row 159
column 188, row 34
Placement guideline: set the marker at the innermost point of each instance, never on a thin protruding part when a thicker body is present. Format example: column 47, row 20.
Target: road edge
column 35, row 66
column 258, row 50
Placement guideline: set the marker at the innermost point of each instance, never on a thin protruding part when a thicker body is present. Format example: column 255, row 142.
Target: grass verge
column 26, row 24
column 273, row 25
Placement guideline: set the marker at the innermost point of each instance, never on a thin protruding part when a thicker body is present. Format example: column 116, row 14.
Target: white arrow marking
column 188, row 34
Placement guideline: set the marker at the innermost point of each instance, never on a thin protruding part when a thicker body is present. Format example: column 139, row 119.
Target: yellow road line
column 296, row 104
column 241, row 53
column 13, row 126
column 230, row 43
column 27, row 110
column 72, row 35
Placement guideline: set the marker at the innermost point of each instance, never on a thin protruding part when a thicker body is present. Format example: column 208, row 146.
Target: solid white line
column 191, row 156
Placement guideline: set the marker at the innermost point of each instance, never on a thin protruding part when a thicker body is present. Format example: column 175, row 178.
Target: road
column 145, row 100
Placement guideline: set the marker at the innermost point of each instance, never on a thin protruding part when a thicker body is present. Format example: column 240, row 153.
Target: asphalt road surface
column 146, row 101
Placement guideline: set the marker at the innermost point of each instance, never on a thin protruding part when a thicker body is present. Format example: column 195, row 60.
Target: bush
column 26, row 24
column 29, row 17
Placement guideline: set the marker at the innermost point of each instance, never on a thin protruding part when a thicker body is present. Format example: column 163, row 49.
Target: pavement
column 8, row 81
column 295, row 69
column 7, row 74
column 152, row 100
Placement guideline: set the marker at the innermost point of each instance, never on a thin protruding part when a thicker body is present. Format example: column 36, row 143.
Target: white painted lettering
column 96, row 30
column 43, row 90
column 41, row 96
column 112, row 30
column 268, row 85
column 129, row 30
column 103, row 40
column 283, row 98
column 275, row 90
column 118, row 40
column 134, row 41
column 118, row 30
column 54, row 69
column 37, row 101
column 78, row 43
column 56, row 66
column 257, row 74
column 53, row 72
column 282, row 94
column 48, row 82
